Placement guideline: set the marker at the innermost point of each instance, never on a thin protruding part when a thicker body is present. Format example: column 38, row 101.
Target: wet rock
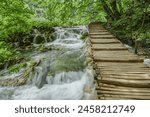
column 84, row 35
column 39, row 39
column 21, row 80
column 1, row 66
column 44, row 48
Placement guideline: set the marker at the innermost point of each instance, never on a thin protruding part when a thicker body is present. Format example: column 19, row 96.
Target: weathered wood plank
column 114, row 46
column 101, row 36
column 127, row 83
column 118, row 60
column 131, row 76
column 115, row 56
column 104, row 41
column 134, row 90
column 100, row 33
column 122, row 97
column 140, row 89
column 122, row 93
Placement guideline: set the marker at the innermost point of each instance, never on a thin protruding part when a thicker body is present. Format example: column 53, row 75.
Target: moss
column 31, row 63
column 84, row 35
column 5, row 54
column 16, row 68
column 43, row 48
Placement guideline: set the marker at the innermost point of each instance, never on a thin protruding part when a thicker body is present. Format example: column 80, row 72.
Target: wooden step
column 103, row 37
column 97, row 31
column 114, row 46
column 125, row 89
column 100, row 33
column 122, row 97
column 104, row 41
column 127, row 83
column 115, row 56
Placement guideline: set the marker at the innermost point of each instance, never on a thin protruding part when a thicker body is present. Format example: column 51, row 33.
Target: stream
column 62, row 72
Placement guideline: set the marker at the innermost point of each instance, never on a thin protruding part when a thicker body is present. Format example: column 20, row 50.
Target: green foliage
column 129, row 19
column 14, row 16
column 22, row 15
column 5, row 55
column 68, row 12
column 5, row 52
column 16, row 68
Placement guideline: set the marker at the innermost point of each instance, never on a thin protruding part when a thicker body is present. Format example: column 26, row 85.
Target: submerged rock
column 41, row 73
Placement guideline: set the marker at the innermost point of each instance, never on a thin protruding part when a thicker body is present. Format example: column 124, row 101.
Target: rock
column 39, row 39
column 84, row 35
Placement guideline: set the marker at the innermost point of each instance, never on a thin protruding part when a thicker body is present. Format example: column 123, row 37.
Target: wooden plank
column 106, row 37
column 104, row 41
column 118, row 60
column 133, row 90
column 109, row 45
column 109, row 49
column 101, row 36
column 112, row 97
column 125, row 67
column 122, row 69
column 128, row 76
column 100, row 33
column 127, row 83
column 114, row 46
column 115, row 64
column 120, row 87
column 136, row 77
column 121, row 93
column 117, row 97
column 123, row 72
column 112, row 53
column 115, row 56
column 97, row 31
column 116, row 87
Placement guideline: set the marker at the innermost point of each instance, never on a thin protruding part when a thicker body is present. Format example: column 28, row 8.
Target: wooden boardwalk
column 120, row 74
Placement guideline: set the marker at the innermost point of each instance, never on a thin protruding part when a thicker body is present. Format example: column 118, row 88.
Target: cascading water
column 62, row 72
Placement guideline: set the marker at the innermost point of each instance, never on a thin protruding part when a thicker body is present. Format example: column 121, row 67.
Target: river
column 63, row 72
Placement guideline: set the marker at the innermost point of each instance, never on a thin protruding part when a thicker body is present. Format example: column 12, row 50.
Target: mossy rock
column 84, row 35
column 23, row 78
column 43, row 48
column 16, row 68
column 1, row 65
column 39, row 39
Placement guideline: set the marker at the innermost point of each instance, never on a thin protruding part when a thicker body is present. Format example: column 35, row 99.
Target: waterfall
column 62, row 73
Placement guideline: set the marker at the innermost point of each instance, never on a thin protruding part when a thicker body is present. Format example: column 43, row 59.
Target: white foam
column 66, row 91
column 147, row 62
